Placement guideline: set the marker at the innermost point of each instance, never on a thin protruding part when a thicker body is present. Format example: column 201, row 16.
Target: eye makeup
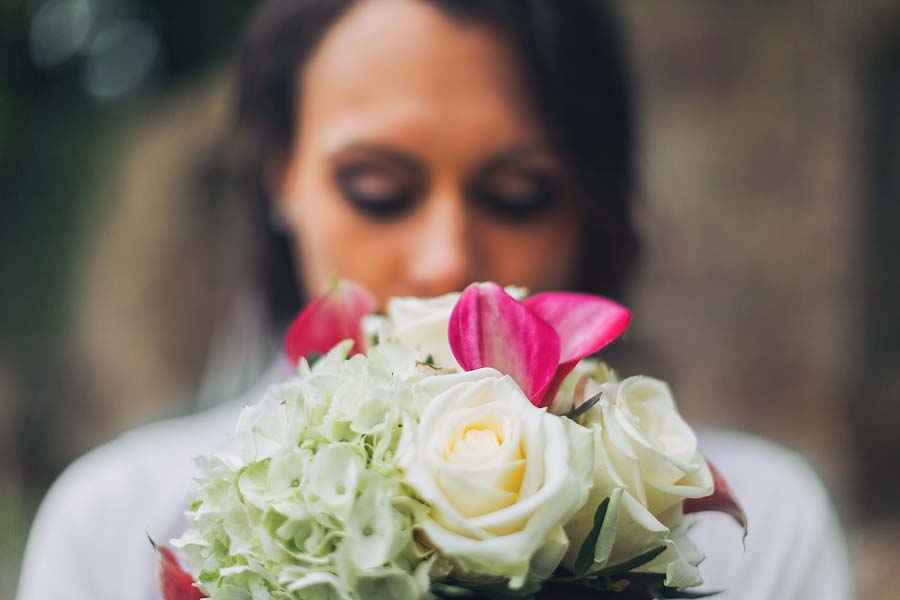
column 375, row 192
column 379, row 183
column 516, row 197
column 516, row 186
column 519, row 185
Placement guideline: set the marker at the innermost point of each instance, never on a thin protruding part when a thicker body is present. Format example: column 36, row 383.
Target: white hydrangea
column 369, row 477
column 305, row 500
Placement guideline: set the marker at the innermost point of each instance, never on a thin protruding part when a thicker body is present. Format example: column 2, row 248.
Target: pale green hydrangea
column 305, row 501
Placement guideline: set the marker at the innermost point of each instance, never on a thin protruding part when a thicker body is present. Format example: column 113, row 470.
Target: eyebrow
column 410, row 162
column 509, row 155
column 399, row 157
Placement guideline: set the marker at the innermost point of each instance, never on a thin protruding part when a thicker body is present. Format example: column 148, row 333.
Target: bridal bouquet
column 455, row 447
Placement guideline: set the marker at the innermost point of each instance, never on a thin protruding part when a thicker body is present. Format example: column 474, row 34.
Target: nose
column 442, row 257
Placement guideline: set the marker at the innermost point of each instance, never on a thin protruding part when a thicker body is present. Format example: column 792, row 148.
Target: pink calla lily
column 721, row 500
column 537, row 342
column 490, row 328
column 585, row 324
column 330, row 318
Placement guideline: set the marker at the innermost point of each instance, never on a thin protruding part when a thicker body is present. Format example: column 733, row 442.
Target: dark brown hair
column 572, row 54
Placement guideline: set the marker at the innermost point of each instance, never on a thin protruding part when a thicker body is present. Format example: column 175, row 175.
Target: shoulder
column 144, row 458
column 750, row 463
column 779, row 488
column 91, row 529
column 795, row 547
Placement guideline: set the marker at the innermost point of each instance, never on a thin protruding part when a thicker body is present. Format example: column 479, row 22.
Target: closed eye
column 517, row 185
column 375, row 193
column 379, row 183
column 518, row 197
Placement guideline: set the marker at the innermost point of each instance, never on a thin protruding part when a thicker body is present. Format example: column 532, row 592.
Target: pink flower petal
column 584, row 323
column 328, row 319
column 722, row 500
column 490, row 328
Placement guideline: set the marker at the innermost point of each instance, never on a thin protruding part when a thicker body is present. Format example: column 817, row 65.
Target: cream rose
column 500, row 475
column 583, row 382
column 647, row 462
column 422, row 324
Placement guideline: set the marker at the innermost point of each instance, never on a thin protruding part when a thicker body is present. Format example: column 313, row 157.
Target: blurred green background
column 73, row 74
column 770, row 209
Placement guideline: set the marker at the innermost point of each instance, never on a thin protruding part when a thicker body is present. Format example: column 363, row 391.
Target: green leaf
column 638, row 584
column 674, row 593
column 628, row 565
column 584, row 406
column 600, row 584
column 493, row 590
column 429, row 360
column 655, row 585
column 447, row 590
column 581, row 588
column 501, row 589
column 585, row 557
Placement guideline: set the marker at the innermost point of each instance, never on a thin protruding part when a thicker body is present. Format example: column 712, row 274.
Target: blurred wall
column 752, row 214
column 771, row 290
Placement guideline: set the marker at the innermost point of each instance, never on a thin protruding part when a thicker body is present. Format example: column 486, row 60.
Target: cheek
column 541, row 257
column 332, row 240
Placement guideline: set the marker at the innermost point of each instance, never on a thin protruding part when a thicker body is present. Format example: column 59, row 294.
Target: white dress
column 89, row 540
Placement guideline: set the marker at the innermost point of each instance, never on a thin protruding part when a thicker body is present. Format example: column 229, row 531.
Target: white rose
column 422, row 324
column 647, row 462
column 583, row 382
column 500, row 475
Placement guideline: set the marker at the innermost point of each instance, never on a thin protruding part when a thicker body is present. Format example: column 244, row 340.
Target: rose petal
column 489, row 328
column 332, row 317
column 722, row 500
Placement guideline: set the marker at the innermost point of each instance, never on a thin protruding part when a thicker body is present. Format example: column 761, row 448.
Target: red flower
column 722, row 500
column 174, row 582
column 331, row 318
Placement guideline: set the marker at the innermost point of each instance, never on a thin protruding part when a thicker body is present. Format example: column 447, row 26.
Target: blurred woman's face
column 420, row 163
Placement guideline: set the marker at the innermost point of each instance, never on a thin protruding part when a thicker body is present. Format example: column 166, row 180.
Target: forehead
column 402, row 68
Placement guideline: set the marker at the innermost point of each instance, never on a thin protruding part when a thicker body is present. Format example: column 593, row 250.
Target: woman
column 414, row 146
